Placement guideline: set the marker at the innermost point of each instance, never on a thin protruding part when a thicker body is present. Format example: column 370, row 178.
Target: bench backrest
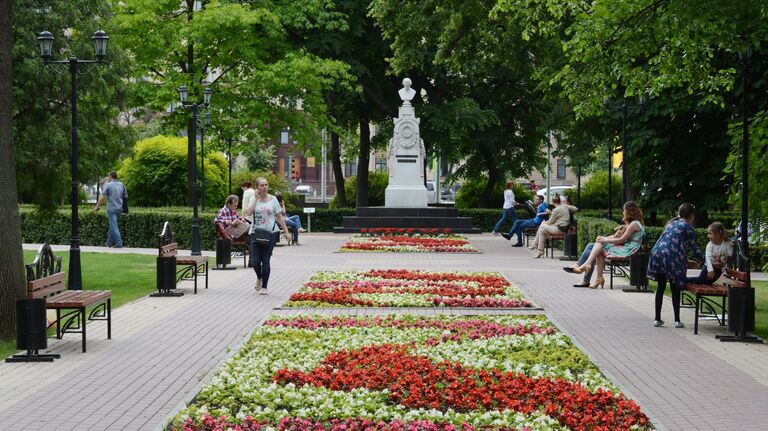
column 44, row 276
column 734, row 278
column 168, row 246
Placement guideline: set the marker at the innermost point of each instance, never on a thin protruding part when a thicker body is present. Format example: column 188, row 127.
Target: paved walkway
column 164, row 348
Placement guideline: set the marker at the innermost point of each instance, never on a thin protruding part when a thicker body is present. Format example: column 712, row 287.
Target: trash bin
column 166, row 276
column 741, row 299
column 31, row 328
column 638, row 269
column 223, row 252
column 570, row 246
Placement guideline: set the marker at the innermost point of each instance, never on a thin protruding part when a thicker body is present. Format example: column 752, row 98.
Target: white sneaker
column 679, row 324
column 495, row 233
column 302, row 230
column 258, row 284
column 658, row 323
column 263, row 291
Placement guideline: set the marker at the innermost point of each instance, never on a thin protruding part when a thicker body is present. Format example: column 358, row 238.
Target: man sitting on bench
column 522, row 224
column 233, row 225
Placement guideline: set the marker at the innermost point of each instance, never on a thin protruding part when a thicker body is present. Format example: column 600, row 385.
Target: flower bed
column 399, row 373
column 409, row 240
column 407, row 288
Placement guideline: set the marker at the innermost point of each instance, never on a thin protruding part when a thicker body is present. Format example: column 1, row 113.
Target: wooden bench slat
column 707, row 289
column 47, row 281
column 190, row 260
column 78, row 298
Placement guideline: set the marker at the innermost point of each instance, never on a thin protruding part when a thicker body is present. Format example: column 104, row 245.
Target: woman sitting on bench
column 611, row 246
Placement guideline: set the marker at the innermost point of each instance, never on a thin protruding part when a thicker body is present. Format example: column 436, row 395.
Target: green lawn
column 761, row 306
column 128, row 276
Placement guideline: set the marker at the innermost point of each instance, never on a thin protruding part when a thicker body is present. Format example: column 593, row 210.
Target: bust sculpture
column 406, row 93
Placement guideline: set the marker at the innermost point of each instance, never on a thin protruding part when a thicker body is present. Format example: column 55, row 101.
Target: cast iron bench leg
column 82, row 315
column 109, row 319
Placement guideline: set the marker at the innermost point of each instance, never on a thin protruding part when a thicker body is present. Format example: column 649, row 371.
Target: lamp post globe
column 100, row 39
column 45, row 41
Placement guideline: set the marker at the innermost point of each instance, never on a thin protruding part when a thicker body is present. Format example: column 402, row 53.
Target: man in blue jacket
column 520, row 225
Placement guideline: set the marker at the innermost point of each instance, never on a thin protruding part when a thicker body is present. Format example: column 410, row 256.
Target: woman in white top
column 266, row 218
column 508, row 209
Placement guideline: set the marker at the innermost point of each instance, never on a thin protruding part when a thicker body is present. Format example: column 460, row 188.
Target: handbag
column 261, row 236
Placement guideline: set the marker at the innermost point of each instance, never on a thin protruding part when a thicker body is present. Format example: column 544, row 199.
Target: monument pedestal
column 407, row 217
column 406, row 196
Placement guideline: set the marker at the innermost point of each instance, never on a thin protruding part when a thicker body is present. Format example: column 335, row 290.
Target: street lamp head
column 183, row 94
column 207, row 96
column 100, row 40
column 45, row 40
column 207, row 118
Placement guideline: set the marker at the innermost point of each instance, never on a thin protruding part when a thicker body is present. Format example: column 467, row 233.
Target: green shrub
column 594, row 194
column 156, row 173
column 377, row 185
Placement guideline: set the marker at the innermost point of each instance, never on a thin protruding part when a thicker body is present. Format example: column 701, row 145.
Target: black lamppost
column 229, row 162
column 45, row 40
column 195, row 109
column 203, row 127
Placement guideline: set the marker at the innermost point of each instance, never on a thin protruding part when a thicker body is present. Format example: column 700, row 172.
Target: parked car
column 431, row 193
column 304, row 189
column 560, row 190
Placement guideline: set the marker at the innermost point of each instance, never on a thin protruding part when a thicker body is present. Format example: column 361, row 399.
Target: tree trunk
column 362, row 161
column 11, row 256
column 338, row 173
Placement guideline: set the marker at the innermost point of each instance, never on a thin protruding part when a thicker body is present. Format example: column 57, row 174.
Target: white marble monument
column 405, row 158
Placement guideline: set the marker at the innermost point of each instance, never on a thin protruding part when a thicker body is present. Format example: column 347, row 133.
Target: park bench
column 708, row 298
column 620, row 265
column 186, row 267
column 45, row 280
column 240, row 246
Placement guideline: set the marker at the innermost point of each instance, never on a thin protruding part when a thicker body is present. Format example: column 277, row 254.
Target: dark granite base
column 384, row 217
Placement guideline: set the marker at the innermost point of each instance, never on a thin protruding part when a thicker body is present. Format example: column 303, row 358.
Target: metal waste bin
column 31, row 328
column 223, row 252
column 741, row 300
column 638, row 269
column 166, row 276
column 570, row 246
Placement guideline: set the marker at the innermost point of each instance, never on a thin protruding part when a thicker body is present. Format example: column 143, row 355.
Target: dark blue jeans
column 507, row 213
column 260, row 256
column 519, row 226
column 702, row 277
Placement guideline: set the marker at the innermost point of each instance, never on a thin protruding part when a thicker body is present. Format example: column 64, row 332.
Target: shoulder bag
column 125, row 200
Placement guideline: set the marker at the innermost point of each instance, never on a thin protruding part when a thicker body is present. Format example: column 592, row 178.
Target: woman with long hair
column 623, row 245
column 669, row 260
column 267, row 216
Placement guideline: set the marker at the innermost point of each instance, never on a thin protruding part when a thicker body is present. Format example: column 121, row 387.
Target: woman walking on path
column 669, row 261
column 621, row 244
column 508, row 209
column 264, row 230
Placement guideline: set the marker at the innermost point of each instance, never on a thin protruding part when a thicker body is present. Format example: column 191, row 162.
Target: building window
column 350, row 169
column 284, row 137
column 381, row 164
column 560, row 169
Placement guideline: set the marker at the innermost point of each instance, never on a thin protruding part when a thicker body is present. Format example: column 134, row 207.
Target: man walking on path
column 114, row 192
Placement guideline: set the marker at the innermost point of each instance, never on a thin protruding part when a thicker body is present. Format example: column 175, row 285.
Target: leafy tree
column 693, row 61
column 11, row 257
column 154, row 174
column 378, row 185
column 262, row 83
column 469, row 194
column 42, row 98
